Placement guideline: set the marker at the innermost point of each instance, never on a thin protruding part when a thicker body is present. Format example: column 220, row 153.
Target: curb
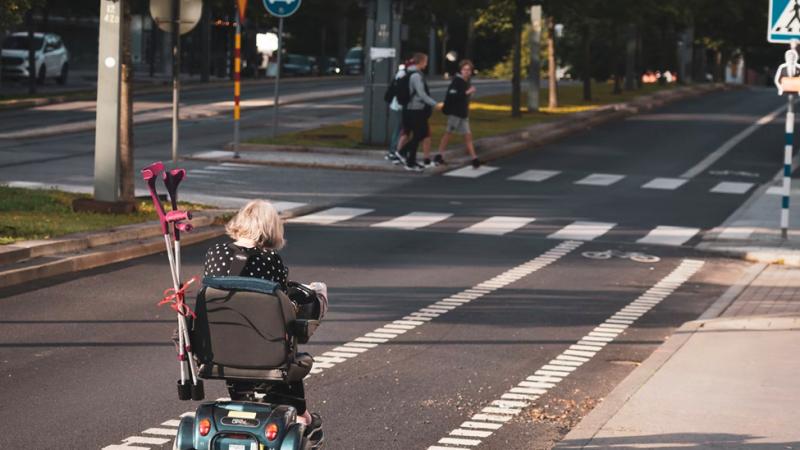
column 503, row 145
column 145, row 89
column 583, row 433
column 129, row 242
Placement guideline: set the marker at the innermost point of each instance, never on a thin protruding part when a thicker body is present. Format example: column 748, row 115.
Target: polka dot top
column 264, row 264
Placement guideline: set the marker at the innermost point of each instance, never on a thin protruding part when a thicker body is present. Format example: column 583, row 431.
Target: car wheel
column 42, row 74
column 62, row 78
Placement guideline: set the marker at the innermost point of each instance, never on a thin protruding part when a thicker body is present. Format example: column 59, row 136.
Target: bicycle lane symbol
column 633, row 256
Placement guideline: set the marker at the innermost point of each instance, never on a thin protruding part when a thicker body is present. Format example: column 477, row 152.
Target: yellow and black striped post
column 237, row 81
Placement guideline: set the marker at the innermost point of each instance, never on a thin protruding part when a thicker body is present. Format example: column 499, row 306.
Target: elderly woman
column 257, row 230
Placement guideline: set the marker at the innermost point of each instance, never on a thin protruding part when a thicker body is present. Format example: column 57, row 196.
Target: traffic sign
column 282, row 8
column 191, row 12
column 784, row 21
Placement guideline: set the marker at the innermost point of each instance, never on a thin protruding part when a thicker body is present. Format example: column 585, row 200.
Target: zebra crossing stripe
column 498, row 225
column 668, row 184
column 582, row 231
column 535, row 175
column 665, row 235
column 731, row 187
column 544, row 380
column 600, row 179
column 470, row 172
column 413, row 220
column 331, row 216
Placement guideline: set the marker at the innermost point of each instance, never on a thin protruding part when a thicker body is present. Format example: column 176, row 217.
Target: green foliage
column 12, row 12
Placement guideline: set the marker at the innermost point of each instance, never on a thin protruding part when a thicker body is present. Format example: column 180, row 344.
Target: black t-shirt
column 456, row 102
column 264, row 264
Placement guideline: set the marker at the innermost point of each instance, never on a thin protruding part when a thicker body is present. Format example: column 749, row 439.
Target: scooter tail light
column 205, row 427
column 271, row 431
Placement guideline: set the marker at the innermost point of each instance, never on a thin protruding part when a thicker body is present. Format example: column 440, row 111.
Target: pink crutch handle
column 177, row 216
column 152, row 170
column 183, row 226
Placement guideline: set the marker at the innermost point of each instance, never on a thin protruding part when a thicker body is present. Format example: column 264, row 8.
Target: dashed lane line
column 549, row 375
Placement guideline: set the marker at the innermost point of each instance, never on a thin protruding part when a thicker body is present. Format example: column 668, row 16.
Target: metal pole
column 277, row 80
column 176, row 68
column 787, row 168
column 237, row 70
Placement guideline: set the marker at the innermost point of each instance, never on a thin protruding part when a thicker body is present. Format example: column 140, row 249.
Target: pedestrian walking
column 456, row 108
column 417, row 109
column 396, row 114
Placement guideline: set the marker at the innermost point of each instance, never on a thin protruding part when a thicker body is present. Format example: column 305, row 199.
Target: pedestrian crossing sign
column 784, row 21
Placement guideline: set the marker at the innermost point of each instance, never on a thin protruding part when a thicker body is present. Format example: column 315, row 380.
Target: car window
column 21, row 43
column 354, row 53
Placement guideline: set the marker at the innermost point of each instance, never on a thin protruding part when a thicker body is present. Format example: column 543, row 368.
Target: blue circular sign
column 282, row 8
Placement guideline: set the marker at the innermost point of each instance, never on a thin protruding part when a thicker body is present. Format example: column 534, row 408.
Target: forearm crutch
column 193, row 390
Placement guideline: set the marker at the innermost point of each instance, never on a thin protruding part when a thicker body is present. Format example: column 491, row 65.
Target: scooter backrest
column 243, row 323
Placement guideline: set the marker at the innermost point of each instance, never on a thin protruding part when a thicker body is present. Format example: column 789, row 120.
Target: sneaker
column 414, row 167
column 393, row 157
column 427, row 162
column 439, row 160
column 401, row 158
column 476, row 163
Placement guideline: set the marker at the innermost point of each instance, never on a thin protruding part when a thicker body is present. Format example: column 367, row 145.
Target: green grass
column 489, row 116
column 42, row 214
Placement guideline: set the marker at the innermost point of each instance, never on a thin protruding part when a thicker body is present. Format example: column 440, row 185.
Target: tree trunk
column 552, row 83
column 126, row 178
column 587, row 69
column 342, row 32
column 445, row 38
column 469, row 50
column 516, row 75
column 432, row 60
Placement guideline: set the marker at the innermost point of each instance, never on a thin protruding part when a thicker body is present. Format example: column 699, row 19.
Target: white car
column 51, row 57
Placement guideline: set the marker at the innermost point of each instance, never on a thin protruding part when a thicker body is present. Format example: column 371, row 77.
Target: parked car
column 294, row 64
column 354, row 61
column 51, row 57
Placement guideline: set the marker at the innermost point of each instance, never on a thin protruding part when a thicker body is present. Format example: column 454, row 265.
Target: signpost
column 186, row 14
column 279, row 9
column 106, row 146
column 382, row 46
column 784, row 28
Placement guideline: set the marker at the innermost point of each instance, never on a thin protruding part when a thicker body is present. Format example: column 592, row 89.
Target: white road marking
column 470, row 172
column 535, row 175
column 775, row 190
column 498, row 225
column 736, row 233
column 665, row 235
column 732, row 187
column 730, row 144
column 600, row 179
column 161, row 431
column 668, row 184
column 582, row 231
column 413, row 220
column 675, row 279
column 331, row 216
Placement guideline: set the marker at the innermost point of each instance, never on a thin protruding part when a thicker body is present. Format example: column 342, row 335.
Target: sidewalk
column 719, row 382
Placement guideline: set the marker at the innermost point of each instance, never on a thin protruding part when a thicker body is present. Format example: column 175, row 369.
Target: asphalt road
column 90, row 352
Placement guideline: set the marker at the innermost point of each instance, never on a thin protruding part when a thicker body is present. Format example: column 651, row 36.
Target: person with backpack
column 456, row 108
column 395, row 113
column 414, row 95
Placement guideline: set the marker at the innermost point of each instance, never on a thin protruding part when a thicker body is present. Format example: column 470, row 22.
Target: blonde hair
column 258, row 221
